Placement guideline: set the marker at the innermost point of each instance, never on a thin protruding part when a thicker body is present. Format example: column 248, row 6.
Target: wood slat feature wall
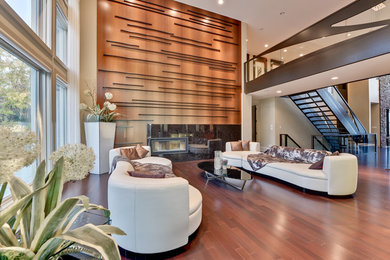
column 167, row 63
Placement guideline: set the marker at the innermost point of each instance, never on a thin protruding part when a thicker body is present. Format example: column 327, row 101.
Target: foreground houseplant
column 37, row 224
column 99, row 129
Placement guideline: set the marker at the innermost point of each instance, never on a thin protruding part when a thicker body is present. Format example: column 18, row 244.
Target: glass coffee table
column 232, row 176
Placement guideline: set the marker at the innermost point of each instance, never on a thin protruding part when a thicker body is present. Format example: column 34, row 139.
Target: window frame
column 64, row 87
column 62, row 18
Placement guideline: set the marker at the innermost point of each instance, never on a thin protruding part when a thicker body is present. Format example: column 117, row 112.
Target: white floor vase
column 100, row 137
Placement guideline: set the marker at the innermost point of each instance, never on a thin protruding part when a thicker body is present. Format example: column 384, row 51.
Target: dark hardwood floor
column 272, row 220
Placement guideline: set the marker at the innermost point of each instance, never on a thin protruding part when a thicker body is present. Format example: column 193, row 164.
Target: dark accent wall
column 384, row 102
column 168, row 63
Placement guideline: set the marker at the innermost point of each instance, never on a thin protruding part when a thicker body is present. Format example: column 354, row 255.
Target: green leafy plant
column 37, row 224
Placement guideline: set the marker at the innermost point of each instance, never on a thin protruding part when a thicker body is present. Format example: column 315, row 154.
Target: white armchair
column 157, row 215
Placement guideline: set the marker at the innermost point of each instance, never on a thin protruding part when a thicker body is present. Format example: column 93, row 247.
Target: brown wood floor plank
column 273, row 220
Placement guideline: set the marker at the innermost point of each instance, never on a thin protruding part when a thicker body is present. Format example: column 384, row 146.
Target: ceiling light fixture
column 285, row 50
column 300, row 55
column 220, row 2
column 378, row 7
column 266, row 45
column 349, row 34
column 279, row 91
column 334, row 78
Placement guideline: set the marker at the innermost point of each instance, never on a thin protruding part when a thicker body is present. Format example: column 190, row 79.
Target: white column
column 73, row 124
column 246, row 100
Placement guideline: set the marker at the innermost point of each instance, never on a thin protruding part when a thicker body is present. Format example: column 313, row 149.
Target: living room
column 145, row 129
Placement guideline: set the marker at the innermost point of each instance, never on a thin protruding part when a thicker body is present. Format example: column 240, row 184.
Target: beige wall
column 88, row 51
column 290, row 120
column 359, row 101
column 265, row 121
column 375, row 120
column 281, row 116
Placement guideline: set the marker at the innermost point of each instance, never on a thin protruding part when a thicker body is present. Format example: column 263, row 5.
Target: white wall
column 265, row 121
column 290, row 120
column 88, row 51
column 281, row 116
column 373, row 85
column 246, row 100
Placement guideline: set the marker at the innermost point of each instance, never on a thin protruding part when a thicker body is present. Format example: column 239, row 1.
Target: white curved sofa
column 235, row 158
column 338, row 177
column 147, row 159
column 158, row 215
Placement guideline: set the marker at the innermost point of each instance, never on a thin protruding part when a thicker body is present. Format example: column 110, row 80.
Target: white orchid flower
column 108, row 95
column 112, row 107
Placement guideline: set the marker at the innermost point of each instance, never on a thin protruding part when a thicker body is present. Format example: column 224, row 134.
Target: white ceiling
column 272, row 21
column 265, row 18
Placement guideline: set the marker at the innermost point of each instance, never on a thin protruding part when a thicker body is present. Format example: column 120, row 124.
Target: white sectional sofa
column 158, row 215
column 235, row 158
column 339, row 175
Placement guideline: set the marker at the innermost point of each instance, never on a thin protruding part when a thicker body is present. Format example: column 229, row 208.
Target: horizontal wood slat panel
column 167, row 63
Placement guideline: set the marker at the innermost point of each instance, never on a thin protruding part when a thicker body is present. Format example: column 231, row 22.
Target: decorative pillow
column 142, row 152
column 245, row 145
column 153, row 168
column 236, row 146
column 142, row 174
column 320, row 164
column 130, row 153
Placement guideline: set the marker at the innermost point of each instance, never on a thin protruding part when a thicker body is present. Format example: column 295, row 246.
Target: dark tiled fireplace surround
column 190, row 142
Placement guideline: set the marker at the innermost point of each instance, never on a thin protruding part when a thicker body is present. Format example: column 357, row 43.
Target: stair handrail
column 355, row 119
column 322, row 112
column 315, row 138
column 287, row 136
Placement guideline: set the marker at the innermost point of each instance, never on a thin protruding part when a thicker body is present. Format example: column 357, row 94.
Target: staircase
column 330, row 114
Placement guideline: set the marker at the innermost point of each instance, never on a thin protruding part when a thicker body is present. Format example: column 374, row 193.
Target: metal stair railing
column 285, row 138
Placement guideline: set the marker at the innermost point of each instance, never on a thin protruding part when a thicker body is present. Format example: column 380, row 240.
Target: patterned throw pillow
column 142, row 174
column 142, row 152
column 130, row 153
column 236, row 146
column 320, row 164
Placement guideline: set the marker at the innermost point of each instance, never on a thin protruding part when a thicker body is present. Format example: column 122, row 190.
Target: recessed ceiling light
column 220, row 2
column 300, row 55
column 278, row 91
column 378, row 7
column 285, row 50
column 266, row 45
column 282, row 58
column 334, row 78
column 349, row 34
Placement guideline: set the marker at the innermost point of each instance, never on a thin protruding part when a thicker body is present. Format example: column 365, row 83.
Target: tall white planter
column 100, row 137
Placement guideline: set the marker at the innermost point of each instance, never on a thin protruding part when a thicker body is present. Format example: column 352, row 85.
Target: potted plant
column 36, row 225
column 99, row 129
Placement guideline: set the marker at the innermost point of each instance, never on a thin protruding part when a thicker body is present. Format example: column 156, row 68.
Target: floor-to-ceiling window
column 61, row 35
column 33, row 71
column 61, row 100
column 36, row 14
column 19, row 97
